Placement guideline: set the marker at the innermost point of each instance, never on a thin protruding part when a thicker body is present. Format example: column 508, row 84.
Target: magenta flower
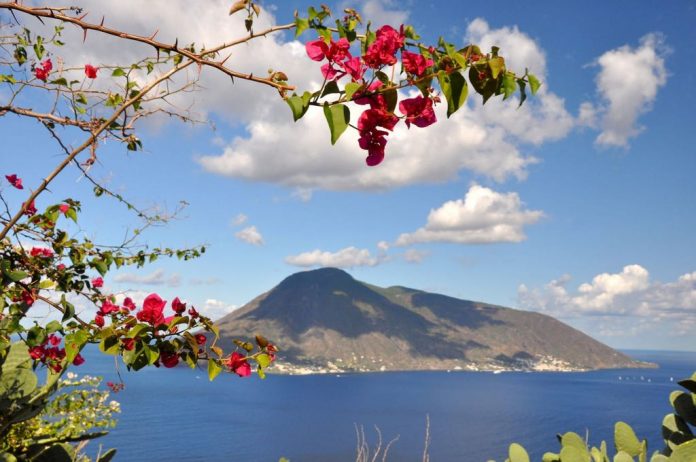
column 418, row 111
column 15, row 181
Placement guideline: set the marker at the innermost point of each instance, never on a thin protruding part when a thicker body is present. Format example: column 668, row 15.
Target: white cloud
column 156, row 278
column 216, row 309
column 345, row 258
column 250, row 235
column 628, row 82
column 381, row 12
column 483, row 216
column 239, row 220
column 383, row 246
column 486, row 141
column 627, row 293
column 415, row 256
column 483, row 140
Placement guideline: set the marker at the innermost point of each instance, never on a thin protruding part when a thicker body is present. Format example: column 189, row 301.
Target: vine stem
column 89, row 142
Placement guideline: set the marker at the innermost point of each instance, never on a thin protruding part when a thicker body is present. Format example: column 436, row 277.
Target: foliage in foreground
column 45, row 260
column 680, row 443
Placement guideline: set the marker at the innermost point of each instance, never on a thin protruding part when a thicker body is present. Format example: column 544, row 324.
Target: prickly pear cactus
column 677, row 431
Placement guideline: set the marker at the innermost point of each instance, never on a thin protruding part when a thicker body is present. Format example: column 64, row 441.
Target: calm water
column 177, row 415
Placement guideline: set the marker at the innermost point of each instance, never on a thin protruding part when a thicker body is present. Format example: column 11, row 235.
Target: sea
column 178, row 415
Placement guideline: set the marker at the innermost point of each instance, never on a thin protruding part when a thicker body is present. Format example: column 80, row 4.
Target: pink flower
column 28, row 298
column 99, row 320
column 78, row 360
column 418, row 111
column 60, row 267
column 41, row 71
column 91, row 71
column 41, row 252
column 108, row 308
column 331, row 73
column 200, row 339
column 168, row 359
column 239, row 365
column 97, row 282
column 338, row 51
column 29, row 209
column 193, row 313
column 128, row 343
column 383, row 50
column 415, row 63
column 355, row 68
column 128, row 303
column 63, row 208
column 372, row 139
column 15, row 181
column 53, row 340
column 177, row 306
column 316, row 49
column 37, row 352
column 152, row 310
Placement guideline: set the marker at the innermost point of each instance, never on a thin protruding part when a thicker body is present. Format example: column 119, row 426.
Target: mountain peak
column 326, row 319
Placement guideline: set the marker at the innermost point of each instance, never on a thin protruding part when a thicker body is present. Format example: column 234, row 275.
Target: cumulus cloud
column 627, row 293
column 628, row 82
column 216, row 309
column 415, row 255
column 250, row 235
column 380, row 12
column 483, row 216
column 345, row 258
column 484, row 140
column 156, row 278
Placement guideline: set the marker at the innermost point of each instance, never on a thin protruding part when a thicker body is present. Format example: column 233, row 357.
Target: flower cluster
column 375, row 123
column 51, row 355
column 42, row 70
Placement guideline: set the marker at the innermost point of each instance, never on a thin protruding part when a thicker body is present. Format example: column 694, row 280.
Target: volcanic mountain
column 326, row 321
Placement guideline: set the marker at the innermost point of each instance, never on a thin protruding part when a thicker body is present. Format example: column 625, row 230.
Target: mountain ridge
column 326, row 321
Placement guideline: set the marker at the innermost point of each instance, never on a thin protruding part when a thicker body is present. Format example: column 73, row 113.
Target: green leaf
column 72, row 214
column 338, row 118
column 301, row 25
column 517, row 453
column 60, row 81
column 523, row 92
column 330, row 88
column 118, row 72
column 263, row 359
column 455, row 89
column 351, row 88
column 46, row 284
column 509, row 85
column 213, row 369
column 299, row 105
column 16, row 275
column 74, row 343
column 100, row 266
column 109, row 345
column 497, row 66
column 107, row 456
column 534, row 83
column 625, row 439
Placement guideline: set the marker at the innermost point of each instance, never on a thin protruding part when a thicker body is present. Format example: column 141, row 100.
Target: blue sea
column 178, row 415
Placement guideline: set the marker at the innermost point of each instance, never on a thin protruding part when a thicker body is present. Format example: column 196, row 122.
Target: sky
column 581, row 204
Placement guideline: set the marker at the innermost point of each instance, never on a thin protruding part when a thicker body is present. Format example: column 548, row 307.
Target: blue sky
column 580, row 205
